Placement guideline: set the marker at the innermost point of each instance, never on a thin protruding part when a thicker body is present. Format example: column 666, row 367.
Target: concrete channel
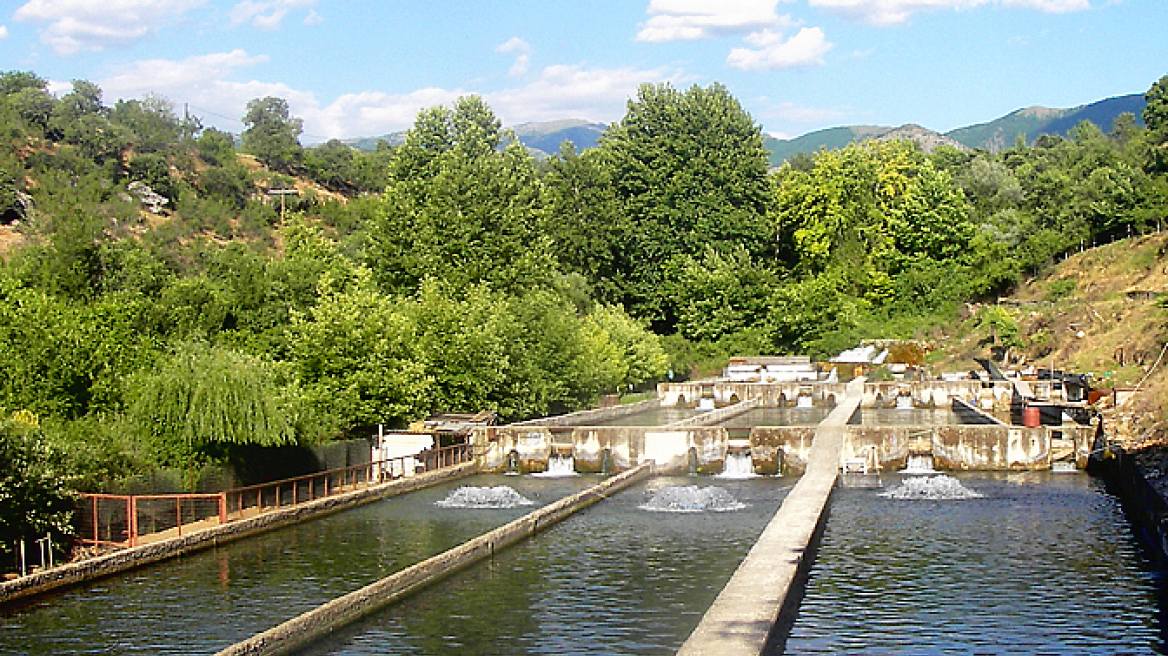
column 318, row 623
column 752, row 613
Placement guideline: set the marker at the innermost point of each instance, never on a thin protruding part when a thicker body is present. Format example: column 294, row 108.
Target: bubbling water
column 737, row 465
column 558, row 467
column 499, row 496
column 931, row 488
column 692, row 499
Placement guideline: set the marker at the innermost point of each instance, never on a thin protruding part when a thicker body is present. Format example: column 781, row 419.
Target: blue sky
column 365, row 68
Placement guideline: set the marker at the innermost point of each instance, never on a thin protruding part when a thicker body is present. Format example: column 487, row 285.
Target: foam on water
column 932, row 487
column 692, row 499
column 558, row 467
column 499, row 496
column 737, row 466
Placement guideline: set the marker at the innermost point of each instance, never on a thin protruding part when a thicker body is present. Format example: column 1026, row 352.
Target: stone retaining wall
column 323, row 620
column 127, row 559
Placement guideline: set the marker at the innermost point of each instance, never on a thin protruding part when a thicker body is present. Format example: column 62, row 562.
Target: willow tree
column 201, row 400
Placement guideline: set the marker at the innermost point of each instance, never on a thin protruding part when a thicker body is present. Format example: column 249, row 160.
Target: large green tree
column 689, row 170
column 272, row 134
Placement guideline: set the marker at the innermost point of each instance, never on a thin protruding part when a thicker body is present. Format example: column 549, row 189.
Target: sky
column 362, row 68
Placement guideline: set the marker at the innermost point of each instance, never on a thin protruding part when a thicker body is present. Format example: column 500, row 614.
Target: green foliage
column 199, row 400
column 459, row 210
column 34, row 496
column 689, row 172
column 272, row 134
column 354, row 353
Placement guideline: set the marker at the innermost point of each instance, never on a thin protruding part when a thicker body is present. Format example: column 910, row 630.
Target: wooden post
column 178, row 514
column 96, row 535
column 222, row 508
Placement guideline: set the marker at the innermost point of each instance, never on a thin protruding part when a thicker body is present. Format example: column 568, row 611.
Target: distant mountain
column 994, row 136
column 544, row 139
column 927, row 139
column 784, row 149
column 1001, row 133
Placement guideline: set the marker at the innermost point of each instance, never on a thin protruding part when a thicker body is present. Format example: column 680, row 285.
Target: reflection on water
column 906, row 417
column 777, row 417
column 1039, row 564
column 614, row 579
column 654, row 417
column 204, row 602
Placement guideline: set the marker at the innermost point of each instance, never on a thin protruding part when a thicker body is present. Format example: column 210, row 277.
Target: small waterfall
column 559, row 466
column 692, row 499
column 931, row 488
column 706, row 403
column 904, row 402
column 1063, row 467
column 499, row 496
column 738, row 465
column 920, row 464
column 804, row 401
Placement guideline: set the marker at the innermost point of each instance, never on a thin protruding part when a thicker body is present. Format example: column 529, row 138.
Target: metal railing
column 122, row 520
column 113, row 520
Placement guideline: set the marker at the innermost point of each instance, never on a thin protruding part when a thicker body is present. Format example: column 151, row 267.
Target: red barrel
column 1031, row 417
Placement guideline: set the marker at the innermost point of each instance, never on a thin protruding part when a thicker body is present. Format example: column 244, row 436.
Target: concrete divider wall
column 127, row 559
column 310, row 627
column 597, row 415
column 954, row 447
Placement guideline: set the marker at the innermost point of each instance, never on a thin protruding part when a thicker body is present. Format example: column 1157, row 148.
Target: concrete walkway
column 753, row 611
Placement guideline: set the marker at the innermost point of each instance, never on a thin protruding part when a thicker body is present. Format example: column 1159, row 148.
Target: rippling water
column 204, row 602
column 614, row 579
column 1040, row 564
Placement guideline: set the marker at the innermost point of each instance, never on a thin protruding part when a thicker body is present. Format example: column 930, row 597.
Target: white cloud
column 313, row 18
column 891, row 12
column 3, row 31
column 76, row 25
column 268, row 14
column 522, row 57
column 688, row 20
column 217, row 88
column 806, row 48
column 575, row 91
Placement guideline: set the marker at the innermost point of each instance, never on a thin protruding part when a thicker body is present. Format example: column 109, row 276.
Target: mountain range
column 544, row 139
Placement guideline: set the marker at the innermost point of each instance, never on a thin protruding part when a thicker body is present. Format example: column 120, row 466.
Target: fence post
column 96, row 535
column 132, row 508
column 178, row 514
column 23, row 562
column 222, row 508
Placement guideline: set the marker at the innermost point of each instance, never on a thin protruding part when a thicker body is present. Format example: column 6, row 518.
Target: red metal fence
column 111, row 520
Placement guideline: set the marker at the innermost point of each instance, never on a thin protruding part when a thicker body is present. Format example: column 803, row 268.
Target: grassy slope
column 1098, row 311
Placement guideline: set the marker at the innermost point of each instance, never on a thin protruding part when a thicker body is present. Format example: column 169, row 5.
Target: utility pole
column 282, row 193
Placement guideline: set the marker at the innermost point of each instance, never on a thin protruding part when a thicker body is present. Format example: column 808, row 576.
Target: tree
column 354, row 354
column 689, row 170
column 459, row 210
column 35, row 499
column 272, row 134
column 200, row 400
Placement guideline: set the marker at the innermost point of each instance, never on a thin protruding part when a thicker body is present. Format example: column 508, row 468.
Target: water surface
column 206, row 601
column 617, row 578
column 1040, row 564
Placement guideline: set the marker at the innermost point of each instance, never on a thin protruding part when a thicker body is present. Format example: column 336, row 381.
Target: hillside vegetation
column 173, row 295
